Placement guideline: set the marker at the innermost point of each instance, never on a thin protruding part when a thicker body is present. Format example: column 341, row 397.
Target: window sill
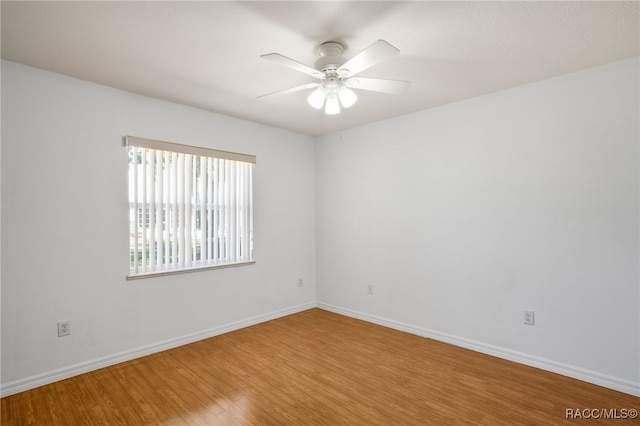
column 143, row 275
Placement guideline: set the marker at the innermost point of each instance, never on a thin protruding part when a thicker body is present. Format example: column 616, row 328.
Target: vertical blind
column 189, row 207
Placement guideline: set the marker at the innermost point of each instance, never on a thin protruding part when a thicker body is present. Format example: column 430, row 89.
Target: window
column 189, row 207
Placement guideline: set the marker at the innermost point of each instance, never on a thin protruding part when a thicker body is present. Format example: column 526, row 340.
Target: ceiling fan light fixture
column 347, row 96
column 336, row 75
column 317, row 97
column 332, row 106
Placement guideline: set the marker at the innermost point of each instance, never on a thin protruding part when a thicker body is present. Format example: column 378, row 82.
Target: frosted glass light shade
column 316, row 98
column 332, row 106
column 347, row 97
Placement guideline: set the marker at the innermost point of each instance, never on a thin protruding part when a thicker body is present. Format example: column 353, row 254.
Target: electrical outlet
column 370, row 290
column 300, row 282
column 64, row 328
column 529, row 317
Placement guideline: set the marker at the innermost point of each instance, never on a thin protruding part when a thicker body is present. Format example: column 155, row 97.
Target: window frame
column 154, row 269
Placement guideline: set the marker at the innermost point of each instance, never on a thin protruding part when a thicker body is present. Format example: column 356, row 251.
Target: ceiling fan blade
column 372, row 55
column 393, row 87
column 292, row 90
column 288, row 62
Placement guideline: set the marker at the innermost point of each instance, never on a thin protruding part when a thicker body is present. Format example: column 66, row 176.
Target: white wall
column 464, row 215
column 65, row 226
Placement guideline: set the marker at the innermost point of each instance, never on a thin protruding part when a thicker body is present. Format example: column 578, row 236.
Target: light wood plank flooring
column 314, row 368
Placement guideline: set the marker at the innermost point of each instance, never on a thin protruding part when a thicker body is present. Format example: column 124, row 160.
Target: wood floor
column 315, row 368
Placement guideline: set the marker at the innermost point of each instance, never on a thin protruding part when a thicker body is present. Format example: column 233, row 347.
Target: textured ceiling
column 207, row 54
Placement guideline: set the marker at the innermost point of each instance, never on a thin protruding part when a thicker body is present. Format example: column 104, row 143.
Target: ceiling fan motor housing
column 330, row 57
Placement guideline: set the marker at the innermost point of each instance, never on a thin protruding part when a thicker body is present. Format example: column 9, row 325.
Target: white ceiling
column 207, row 54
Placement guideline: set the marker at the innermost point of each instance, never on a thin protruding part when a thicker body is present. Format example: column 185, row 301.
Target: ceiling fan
column 337, row 76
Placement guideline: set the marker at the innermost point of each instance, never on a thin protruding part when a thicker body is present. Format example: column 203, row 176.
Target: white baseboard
column 585, row 375
column 31, row 382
